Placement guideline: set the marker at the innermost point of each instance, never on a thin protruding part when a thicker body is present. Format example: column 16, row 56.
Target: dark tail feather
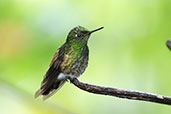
column 50, row 91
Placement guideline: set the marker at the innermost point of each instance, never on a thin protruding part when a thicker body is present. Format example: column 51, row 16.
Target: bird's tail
column 49, row 92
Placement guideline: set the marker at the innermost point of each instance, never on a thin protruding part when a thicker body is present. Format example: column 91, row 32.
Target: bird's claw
column 70, row 78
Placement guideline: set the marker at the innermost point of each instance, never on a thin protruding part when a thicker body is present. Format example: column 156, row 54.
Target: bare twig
column 128, row 94
column 168, row 44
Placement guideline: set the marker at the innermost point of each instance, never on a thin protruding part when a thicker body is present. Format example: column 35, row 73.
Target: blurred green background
column 128, row 53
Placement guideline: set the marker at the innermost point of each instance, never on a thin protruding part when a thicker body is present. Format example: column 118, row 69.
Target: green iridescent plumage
column 71, row 59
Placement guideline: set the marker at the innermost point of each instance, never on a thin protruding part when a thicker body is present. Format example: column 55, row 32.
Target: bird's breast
column 74, row 63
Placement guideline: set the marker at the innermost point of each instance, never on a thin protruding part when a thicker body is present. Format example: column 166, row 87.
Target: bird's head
column 79, row 36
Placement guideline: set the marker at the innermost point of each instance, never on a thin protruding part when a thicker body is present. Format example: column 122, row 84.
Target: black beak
column 95, row 30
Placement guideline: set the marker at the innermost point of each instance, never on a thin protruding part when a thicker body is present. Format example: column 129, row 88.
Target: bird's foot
column 71, row 78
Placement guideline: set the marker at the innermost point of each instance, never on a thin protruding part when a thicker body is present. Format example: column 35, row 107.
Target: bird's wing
column 54, row 90
column 50, row 79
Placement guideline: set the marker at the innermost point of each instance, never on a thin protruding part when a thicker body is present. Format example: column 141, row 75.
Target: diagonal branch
column 168, row 44
column 121, row 93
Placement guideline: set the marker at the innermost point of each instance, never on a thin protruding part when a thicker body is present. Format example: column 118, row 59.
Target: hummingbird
column 70, row 60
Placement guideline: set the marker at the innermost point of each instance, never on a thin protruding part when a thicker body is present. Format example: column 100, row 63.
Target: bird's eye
column 77, row 35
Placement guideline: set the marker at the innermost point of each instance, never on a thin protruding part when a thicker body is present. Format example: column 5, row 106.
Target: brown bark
column 121, row 93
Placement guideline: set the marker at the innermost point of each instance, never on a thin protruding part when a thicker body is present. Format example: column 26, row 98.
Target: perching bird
column 71, row 59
